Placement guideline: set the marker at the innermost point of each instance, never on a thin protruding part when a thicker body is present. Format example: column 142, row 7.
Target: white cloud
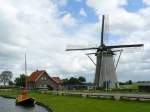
column 62, row 2
column 82, row 12
column 37, row 28
column 147, row 2
column 69, row 20
column 105, row 6
column 121, row 21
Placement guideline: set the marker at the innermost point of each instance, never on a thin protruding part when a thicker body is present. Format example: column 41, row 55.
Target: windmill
column 105, row 74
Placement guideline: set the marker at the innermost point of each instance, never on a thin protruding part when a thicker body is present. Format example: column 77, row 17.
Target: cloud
column 69, row 20
column 121, row 21
column 105, row 6
column 25, row 26
column 147, row 2
column 37, row 28
column 62, row 2
column 82, row 12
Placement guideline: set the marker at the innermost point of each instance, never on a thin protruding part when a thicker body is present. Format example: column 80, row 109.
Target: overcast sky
column 44, row 28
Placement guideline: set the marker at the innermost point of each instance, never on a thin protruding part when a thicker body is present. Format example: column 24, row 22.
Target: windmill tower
column 105, row 74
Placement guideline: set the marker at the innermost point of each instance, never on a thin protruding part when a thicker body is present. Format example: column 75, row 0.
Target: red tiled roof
column 56, row 79
column 35, row 75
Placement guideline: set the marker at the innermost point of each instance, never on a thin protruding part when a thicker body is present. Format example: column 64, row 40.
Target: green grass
column 79, row 104
column 132, row 86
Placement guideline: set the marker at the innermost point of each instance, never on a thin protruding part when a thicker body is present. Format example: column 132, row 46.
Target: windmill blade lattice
column 106, row 29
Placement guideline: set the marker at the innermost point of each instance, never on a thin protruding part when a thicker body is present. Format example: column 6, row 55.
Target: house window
column 44, row 85
column 43, row 78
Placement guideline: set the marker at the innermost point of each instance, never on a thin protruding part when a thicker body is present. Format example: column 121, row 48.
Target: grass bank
column 78, row 104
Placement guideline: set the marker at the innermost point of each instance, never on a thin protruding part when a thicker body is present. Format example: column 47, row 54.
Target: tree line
column 74, row 81
column 6, row 79
column 20, row 81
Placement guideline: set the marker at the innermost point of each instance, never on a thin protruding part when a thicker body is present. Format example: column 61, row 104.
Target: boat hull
column 26, row 102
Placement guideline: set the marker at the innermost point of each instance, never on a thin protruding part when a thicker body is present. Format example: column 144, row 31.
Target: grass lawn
column 79, row 104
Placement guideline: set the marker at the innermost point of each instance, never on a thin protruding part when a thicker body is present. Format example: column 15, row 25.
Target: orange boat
column 24, row 98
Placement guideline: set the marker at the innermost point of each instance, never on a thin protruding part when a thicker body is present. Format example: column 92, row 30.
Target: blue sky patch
column 134, row 5
column 74, row 7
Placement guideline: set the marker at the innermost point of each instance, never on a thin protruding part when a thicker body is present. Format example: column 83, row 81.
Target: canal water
column 8, row 105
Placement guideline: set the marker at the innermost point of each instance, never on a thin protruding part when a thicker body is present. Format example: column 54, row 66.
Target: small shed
column 144, row 87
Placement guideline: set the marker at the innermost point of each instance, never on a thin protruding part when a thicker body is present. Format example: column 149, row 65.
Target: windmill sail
column 106, row 29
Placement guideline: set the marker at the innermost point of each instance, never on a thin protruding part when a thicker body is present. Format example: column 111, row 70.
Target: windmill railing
column 116, row 96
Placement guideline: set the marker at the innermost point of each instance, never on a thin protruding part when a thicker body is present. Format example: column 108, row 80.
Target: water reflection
column 8, row 105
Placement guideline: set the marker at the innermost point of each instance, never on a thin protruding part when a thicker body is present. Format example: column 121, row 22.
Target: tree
column 73, row 80
column 21, row 80
column 6, row 76
column 129, row 82
column 10, row 83
column 65, row 81
column 81, row 79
